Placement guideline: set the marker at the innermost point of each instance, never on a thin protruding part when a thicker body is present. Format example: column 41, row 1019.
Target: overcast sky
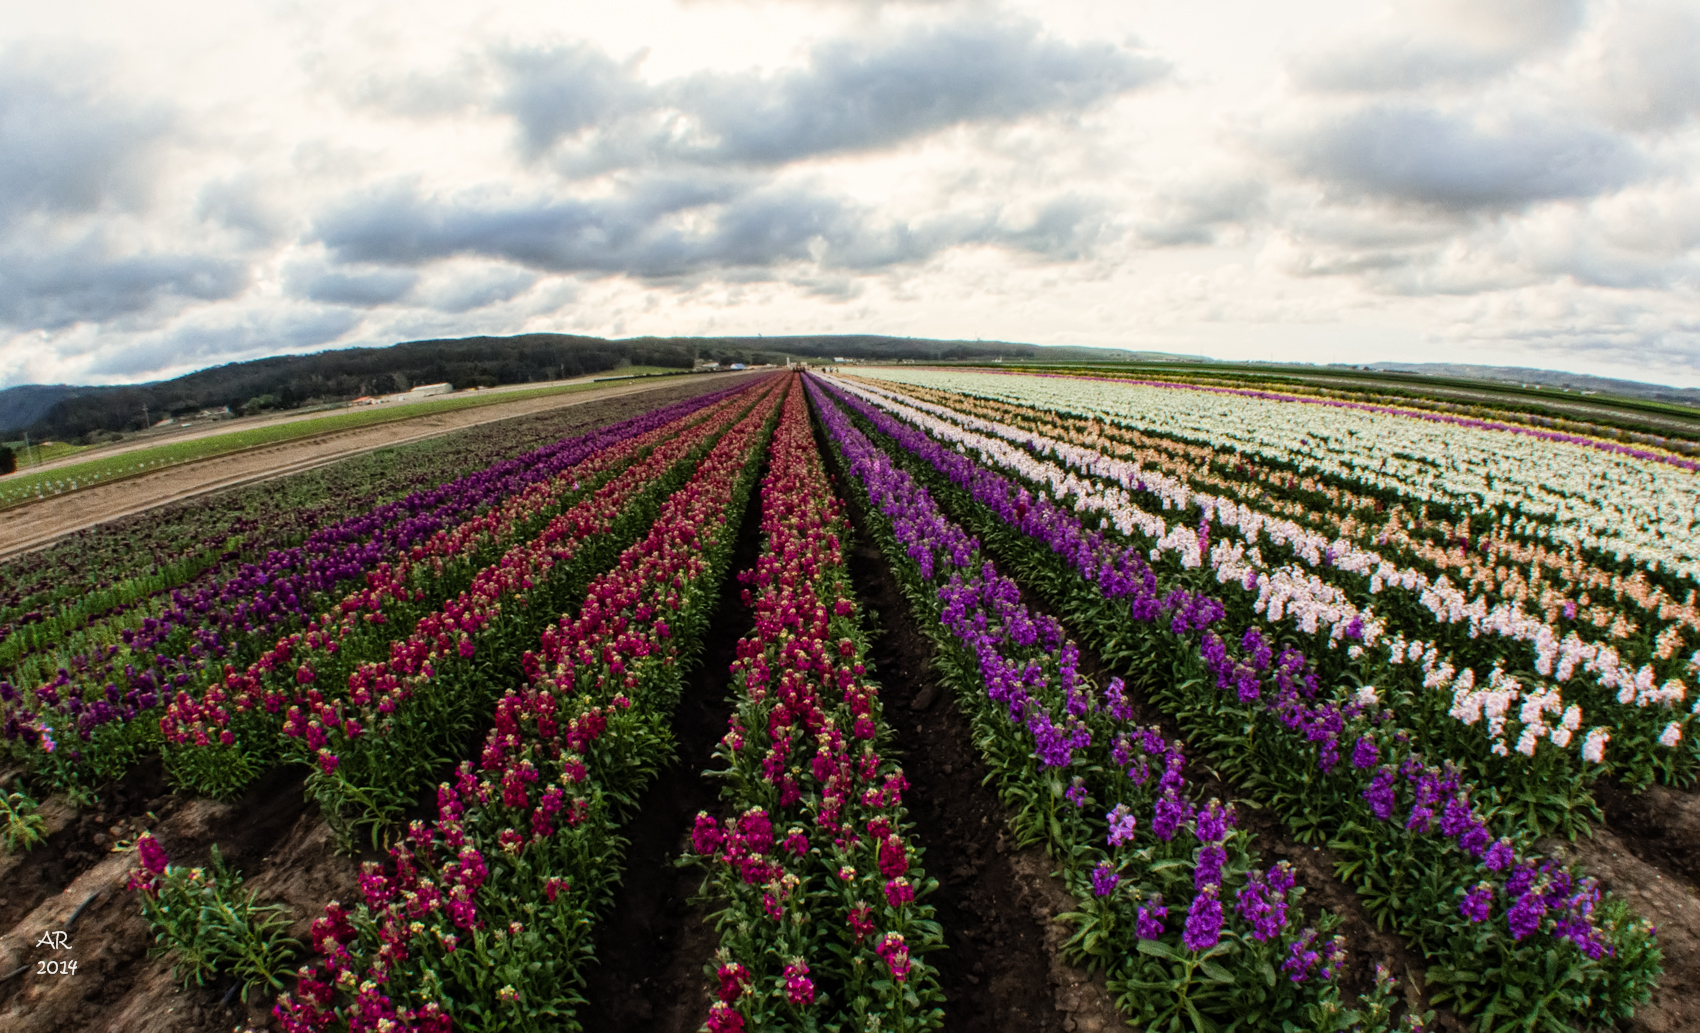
column 1501, row 181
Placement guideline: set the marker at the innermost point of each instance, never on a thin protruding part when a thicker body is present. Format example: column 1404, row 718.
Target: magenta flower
column 799, row 989
column 899, row 892
column 895, row 953
column 153, row 855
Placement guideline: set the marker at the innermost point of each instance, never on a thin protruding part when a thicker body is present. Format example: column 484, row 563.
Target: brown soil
column 1648, row 853
column 653, row 947
column 31, row 526
column 116, row 986
column 1000, row 969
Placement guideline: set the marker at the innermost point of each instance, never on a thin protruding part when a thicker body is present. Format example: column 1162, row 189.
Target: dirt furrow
column 653, row 946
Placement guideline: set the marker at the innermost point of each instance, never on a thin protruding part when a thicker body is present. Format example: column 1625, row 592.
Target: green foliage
column 24, row 827
column 210, row 925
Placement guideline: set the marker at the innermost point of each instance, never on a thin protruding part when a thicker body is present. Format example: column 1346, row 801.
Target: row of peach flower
column 1623, row 699
column 1498, row 559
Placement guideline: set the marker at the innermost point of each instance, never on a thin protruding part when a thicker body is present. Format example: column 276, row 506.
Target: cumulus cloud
column 68, row 147
column 852, row 95
column 857, row 95
column 89, row 280
column 1196, row 210
column 1447, row 43
column 221, row 337
column 1644, row 72
column 462, row 289
column 240, row 204
column 342, row 286
column 1460, row 160
column 670, row 227
column 558, row 92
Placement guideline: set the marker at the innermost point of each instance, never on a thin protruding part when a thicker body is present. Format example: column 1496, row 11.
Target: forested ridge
column 70, row 413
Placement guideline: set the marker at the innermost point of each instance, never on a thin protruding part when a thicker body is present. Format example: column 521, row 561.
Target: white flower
column 1594, row 747
column 1671, row 735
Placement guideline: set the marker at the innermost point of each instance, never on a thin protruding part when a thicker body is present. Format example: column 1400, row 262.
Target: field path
column 37, row 524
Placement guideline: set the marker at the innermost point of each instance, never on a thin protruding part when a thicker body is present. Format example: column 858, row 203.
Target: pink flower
column 722, row 1019
column 895, row 953
column 153, row 855
column 898, row 892
column 799, row 989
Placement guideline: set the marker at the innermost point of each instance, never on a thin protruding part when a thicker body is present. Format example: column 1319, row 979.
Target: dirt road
column 32, row 526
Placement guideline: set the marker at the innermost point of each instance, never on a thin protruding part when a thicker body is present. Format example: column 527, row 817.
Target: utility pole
column 147, row 421
column 28, row 451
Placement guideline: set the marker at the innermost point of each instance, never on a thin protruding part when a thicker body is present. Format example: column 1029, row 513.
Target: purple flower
column 1380, row 794
column 1500, row 856
column 1525, row 916
column 1122, row 825
column 1076, row 793
column 1170, row 813
column 1115, row 701
column 1104, row 879
column 1150, row 920
column 1203, row 921
column 1365, row 754
column 1478, row 903
column 1213, row 823
column 1207, row 871
column 1262, row 901
column 1300, row 958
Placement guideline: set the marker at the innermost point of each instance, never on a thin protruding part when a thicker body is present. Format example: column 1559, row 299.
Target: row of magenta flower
column 481, row 920
column 235, row 729
column 227, row 616
column 1488, row 915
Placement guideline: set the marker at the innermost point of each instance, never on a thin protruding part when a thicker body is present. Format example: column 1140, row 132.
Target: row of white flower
column 1448, row 603
column 1644, row 510
column 1290, row 592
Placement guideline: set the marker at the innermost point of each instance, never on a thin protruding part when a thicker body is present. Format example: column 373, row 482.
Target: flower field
column 923, row 699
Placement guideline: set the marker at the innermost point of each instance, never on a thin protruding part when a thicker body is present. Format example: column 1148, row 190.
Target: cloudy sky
column 1506, row 181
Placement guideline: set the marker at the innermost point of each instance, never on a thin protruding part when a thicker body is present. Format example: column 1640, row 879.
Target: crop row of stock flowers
column 1647, row 623
column 411, row 716
column 1107, row 798
column 482, row 920
column 1624, row 508
column 818, row 880
column 416, row 672
column 1337, row 592
column 120, row 569
column 113, row 591
column 92, row 709
column 1510, row 938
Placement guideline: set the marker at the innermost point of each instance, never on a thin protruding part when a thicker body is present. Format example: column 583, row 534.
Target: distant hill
column 24, row 406
column 1547, row 378
column 877, row 348
column 69, row 413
